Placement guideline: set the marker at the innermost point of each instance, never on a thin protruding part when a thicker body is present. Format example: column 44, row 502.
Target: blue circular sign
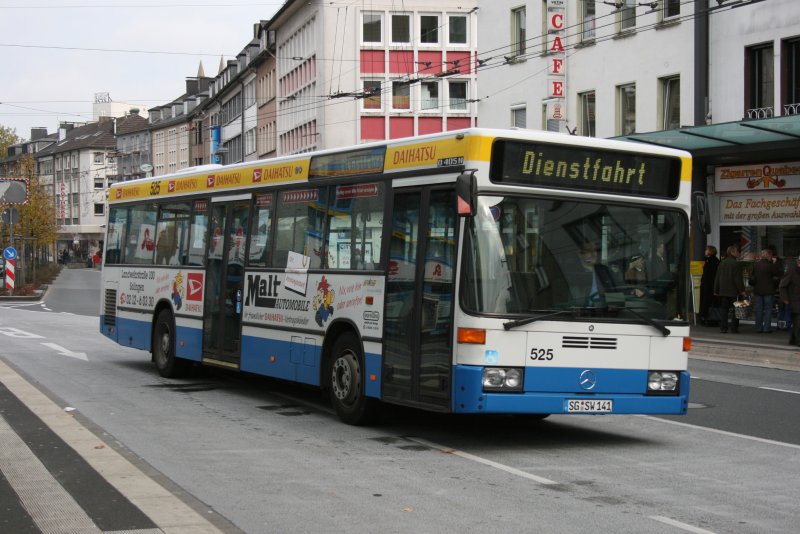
column 10, row 253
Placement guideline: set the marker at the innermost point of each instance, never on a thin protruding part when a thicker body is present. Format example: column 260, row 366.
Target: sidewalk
column 745, row 348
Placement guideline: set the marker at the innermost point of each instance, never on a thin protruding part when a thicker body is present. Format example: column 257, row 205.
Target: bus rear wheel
column 346, row 384
column 167, row 364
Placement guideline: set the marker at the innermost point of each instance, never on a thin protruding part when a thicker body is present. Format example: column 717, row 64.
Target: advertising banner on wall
column 758, row 177
column 759, row 209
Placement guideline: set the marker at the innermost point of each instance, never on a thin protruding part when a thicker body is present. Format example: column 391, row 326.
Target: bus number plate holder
column 590, row 406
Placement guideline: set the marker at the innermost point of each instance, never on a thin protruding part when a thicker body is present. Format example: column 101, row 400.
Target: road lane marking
column 484, row 461
column 682, row 526
column 722, row 432
column 66, row 352
column 781, row 390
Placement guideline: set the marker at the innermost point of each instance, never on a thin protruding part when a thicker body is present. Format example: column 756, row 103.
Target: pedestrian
column 764, row 280
column 707, row 304
column 790, row 295
column 728, row 286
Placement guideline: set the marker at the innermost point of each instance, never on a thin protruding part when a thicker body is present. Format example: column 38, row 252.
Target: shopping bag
column 743, row 308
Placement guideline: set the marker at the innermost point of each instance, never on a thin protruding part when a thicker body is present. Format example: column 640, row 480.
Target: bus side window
column 356, row 227
column 171, row 231
column 301, row 224
column 198, row 231
column 141, row 243
column 116, row 235
column 262, row 226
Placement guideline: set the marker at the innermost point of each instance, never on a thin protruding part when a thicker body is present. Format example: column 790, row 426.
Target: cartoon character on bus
column 323, row 302
column 177, row 290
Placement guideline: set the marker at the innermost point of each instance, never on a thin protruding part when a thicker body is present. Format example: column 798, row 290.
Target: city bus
column 476, row 271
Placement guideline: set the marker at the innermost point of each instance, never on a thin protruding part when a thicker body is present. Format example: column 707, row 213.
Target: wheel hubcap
column 342, row 379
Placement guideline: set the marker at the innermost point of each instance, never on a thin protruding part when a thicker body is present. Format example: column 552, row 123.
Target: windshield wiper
column 533, row 318
column 660, row 327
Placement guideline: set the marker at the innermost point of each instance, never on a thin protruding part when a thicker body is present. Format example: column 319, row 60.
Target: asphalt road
column 260, row 455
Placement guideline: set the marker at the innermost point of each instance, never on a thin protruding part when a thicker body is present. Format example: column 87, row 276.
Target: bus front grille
column 585, row 342
column 110, row 308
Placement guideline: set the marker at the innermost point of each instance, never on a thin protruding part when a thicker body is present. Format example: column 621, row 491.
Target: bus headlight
column 502, row 379
column 662, row 381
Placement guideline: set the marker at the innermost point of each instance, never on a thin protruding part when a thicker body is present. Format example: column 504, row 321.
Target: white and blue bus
column 475, row 271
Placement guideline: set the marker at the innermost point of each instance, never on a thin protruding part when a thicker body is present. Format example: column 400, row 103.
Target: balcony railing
column 791, row 109
column 761, row 113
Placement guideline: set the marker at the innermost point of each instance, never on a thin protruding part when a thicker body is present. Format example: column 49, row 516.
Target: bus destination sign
column 585, row 169
column 354, row 162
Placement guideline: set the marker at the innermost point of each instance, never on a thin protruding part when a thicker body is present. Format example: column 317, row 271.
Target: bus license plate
column 590, row 406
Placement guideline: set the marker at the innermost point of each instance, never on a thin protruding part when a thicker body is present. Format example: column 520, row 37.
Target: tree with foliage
column 37, row 217
column 8, row 137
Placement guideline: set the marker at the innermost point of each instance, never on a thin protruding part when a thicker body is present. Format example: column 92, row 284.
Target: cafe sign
column 758, row 177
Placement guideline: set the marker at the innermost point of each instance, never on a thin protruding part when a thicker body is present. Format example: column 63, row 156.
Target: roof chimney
column 38, row 133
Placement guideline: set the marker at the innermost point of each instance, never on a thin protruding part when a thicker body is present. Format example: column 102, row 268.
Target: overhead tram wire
column 488, row 66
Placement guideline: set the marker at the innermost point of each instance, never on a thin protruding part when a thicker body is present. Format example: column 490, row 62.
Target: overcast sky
column 43, row 81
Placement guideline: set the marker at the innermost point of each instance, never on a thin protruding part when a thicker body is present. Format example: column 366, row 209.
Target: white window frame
column 588, row 22
column 366, row 99
column 517, row 111
column 664, row 14
column 626, row 17
column 97, row 158
column 450, row 17
column 410, row 18
column 450, row 108
column 395, row 87
column 622, row 106
column 422, row 100
column 364, row 15
column 666, row 88
column 438, row 41
column 519, row 25
column 588, row 124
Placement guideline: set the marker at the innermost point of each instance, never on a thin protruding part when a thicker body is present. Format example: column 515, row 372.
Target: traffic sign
column 10, row 253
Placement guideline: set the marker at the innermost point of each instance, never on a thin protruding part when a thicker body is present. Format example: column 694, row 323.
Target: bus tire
column 346, row 383
column 167, row 364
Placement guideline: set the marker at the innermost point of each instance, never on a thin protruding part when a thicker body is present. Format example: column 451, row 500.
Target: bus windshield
column 533, row 256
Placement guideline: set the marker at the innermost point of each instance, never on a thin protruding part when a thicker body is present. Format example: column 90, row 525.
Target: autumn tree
column 37, row 217
column 8, row 137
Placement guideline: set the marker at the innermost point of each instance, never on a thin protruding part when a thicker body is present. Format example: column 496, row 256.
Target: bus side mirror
column 701, row 211
column 467, row 194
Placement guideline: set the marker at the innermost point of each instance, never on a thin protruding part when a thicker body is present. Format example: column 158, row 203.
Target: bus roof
column 441, row 150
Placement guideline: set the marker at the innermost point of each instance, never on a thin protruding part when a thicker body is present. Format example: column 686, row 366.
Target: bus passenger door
column 222, row 309
column 418, row 327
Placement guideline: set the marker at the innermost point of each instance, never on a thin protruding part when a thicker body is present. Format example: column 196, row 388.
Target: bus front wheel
column 167, row 364
column 347, row 383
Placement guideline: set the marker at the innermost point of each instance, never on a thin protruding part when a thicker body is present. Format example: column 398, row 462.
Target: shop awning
column 775, row 138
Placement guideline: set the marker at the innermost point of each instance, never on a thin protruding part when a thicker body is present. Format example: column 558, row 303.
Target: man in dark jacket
column 592, row 280
column 728, row 286
column 765, row 281
column 790, row 295
column 707, row 284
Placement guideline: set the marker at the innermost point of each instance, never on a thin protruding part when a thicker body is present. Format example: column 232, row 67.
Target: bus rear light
column 369, row 300
column 475, row 336
column 687, row 344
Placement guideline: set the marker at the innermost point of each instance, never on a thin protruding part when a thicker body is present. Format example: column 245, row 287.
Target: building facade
column 715, row 77
column 407, row 70
column 81, row 163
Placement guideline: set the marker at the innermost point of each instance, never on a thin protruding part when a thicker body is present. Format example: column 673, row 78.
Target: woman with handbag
column 728, row 286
